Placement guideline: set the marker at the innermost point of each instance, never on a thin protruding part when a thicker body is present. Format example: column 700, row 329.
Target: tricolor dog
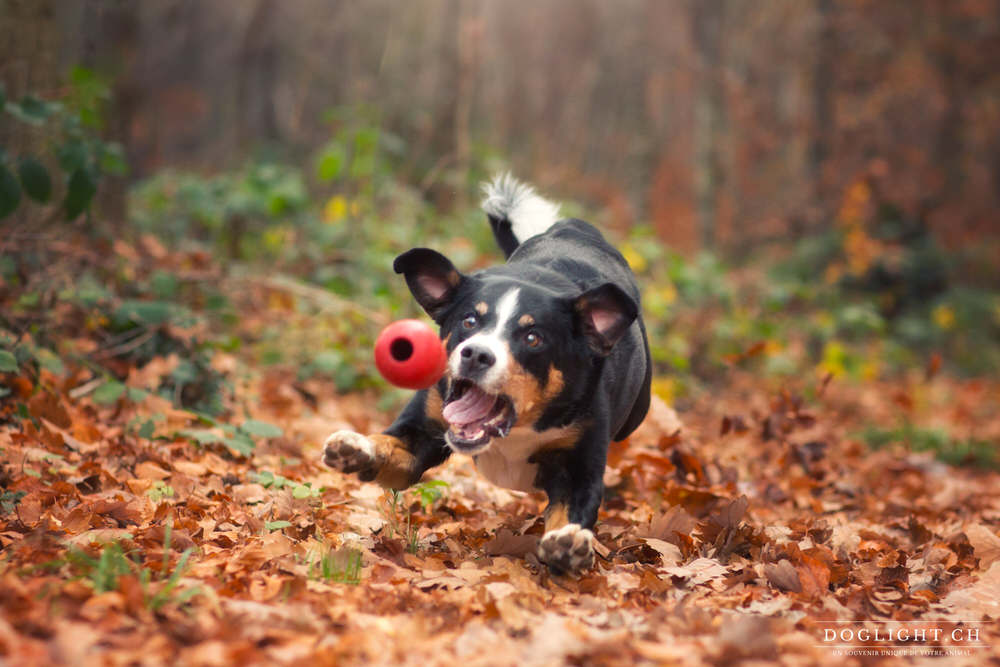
column 547, row 364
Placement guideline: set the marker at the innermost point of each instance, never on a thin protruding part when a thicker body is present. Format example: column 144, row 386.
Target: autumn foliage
column 136, row 529
column 200, row 204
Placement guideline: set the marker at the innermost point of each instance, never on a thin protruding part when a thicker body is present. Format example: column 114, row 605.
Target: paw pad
column 567, row 549
column 349, row 452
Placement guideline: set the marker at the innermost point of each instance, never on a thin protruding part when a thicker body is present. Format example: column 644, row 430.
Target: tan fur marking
column 530, row 398
column 526, row 320
column 394, row 461
column 434, row 405
column 482, row 308
column 454, row 278
column 556, row 516
column 569, row 440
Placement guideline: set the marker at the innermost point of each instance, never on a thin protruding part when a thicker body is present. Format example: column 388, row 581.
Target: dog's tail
column 516, row 211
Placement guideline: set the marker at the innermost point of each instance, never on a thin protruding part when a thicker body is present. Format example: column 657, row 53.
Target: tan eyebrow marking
column 526, row 320
column 481, row 308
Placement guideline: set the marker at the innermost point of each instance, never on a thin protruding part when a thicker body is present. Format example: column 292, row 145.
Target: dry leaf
column 506, row 543
column 783, row 576
column 985, row 543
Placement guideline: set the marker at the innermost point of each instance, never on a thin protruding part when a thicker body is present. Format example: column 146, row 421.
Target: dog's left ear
column 604, row 314
column 431, row 277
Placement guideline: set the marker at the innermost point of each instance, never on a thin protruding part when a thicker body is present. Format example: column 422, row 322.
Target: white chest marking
column 506, row 463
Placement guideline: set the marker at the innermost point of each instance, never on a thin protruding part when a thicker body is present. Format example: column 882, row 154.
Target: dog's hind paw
column 567, row 549
column 349, row 452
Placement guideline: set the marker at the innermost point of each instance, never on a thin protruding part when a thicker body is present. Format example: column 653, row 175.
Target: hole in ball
column 401, row 349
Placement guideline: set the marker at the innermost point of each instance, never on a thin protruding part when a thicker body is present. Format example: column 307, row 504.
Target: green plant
column 166, row 593
column 9, row 500
column 83, row 158
column 247, row 213
column 398, row 516
column 269, row 480
column 430, row 492
column 968, row 451
column 399, row 520
column 339, row 565
column 237, row 438
column 159, row 491
column 105, row 570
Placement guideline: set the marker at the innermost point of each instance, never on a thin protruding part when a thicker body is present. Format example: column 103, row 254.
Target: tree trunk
column 822, row 94
column 29, row 63
column 257, row 78
column 111, row 46
column 709, row 116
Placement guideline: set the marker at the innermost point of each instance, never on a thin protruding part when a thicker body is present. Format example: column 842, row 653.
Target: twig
column 320, row 297
column 85, row 388
column 126, row 347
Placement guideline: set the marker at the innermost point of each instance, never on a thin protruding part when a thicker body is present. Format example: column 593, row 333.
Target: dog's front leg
column 399, row 456
column 573, row 479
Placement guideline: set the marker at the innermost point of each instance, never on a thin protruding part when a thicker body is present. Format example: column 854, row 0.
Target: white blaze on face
column 492, row 339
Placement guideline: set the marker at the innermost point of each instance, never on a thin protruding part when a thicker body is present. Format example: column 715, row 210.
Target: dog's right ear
column 432, row 278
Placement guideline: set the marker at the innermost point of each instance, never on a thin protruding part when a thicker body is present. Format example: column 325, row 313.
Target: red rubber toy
column 409, row 354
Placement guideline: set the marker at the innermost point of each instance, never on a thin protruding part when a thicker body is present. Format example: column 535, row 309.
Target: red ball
column 409, row 354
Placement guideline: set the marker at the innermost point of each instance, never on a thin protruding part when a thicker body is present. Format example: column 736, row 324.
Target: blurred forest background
column 200, row 203
column 724, row 123
column 803, row 186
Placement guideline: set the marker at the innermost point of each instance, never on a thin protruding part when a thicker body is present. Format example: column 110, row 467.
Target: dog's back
column 528, row 229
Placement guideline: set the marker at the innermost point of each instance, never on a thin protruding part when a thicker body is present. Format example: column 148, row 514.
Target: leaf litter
column 133, row 531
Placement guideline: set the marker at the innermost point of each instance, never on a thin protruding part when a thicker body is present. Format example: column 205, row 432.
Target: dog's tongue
column 474, row 405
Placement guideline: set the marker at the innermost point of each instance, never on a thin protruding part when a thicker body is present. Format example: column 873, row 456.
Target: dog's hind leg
column 398, row 457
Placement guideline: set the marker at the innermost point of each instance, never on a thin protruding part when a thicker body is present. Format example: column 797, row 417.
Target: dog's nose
column 476, row 359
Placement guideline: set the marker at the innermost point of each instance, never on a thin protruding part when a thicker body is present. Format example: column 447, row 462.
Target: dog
column 548, row 362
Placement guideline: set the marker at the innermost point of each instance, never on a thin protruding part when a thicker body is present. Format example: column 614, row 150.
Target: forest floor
column 753, row 525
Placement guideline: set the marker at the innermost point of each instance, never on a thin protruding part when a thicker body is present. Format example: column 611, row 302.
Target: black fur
column 563, row 275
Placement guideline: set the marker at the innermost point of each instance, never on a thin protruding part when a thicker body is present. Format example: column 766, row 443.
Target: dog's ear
column 604, row 314
column 431, row 277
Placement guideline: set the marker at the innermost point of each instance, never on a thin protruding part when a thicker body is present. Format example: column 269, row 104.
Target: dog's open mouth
column 476, row 416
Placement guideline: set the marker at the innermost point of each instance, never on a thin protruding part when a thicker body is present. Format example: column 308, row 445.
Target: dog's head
column 516, row 344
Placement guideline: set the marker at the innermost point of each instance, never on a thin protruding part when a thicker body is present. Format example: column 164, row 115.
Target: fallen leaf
column 506, row 543
column 783, row 576
column 699, row 571
column 670, row 554
column 149, row 470
column 985, row 543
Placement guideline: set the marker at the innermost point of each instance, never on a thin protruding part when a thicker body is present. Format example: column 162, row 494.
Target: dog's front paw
column 567, row 549
column 349, row 452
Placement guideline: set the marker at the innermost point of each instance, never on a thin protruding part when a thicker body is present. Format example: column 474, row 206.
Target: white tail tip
column 529, row 213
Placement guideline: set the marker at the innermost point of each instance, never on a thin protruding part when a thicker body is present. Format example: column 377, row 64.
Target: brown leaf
column 149, row 470
column 46, row 405
column 249, row 493
column 783, row 576
column 672, row 522
column 980, row 599
column 985, row 544
column 746, row 636
column 814, row 576
column 838, row 571
column 699, row 571
column 506, row 543
column 670, row 554
column 688, row 466
column 512, row 615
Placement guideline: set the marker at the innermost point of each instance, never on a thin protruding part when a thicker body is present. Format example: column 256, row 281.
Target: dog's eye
column 470, row 321
column 532, row 339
